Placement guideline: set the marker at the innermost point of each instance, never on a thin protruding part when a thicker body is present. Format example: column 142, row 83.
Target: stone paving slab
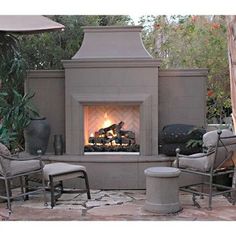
column 114, row 205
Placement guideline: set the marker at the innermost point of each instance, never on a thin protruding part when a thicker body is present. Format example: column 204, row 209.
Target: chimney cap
column 112, row 42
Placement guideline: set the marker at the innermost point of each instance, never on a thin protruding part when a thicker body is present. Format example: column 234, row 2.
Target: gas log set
column 112, row 139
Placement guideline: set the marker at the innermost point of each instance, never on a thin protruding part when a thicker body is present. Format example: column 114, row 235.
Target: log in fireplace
column 111, row 128
column 112, row 139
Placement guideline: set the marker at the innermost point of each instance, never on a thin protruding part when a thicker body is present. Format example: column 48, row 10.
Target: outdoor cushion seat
column 15, row 167
column 58, row 172
column 60, row 169
column 204, row 161
column 218, row 160
column 210, row 138
column 20, row 167
column 198, row 161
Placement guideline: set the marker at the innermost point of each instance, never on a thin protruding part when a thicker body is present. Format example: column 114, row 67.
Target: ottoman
column 162, row 190
column 58, row 172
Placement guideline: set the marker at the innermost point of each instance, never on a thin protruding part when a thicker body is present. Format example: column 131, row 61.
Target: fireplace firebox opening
column 112, row 128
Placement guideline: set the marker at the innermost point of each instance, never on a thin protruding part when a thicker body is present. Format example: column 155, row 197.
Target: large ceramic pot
column 37, row 135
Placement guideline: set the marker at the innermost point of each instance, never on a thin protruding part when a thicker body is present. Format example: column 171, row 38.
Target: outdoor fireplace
column 111, row 95
column 111, row 128
column 113, row 80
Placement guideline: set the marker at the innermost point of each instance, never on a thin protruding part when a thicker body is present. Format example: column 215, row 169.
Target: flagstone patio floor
column 114, row 205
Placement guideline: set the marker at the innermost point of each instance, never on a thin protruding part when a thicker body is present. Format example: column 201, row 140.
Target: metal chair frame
column 23, row 183
column 214, row 171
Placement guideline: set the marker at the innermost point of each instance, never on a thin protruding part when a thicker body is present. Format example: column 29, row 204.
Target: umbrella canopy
column 28, row 24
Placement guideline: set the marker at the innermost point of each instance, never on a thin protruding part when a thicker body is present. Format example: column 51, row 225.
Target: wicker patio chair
column 14, row 167
column 217, row 160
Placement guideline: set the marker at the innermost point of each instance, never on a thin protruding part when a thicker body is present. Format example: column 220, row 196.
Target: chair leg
column 87, row 185
column 210, row 193
column 234, row 198
column 52, row 191
column 26, row 187
column 8, row 195
column 195, row 203
column 61, row 186
column 233, row 194
column 44, row 191
column 202, row 189
column 21, row 185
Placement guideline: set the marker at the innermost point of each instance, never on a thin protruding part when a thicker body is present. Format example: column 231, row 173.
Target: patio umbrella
column 28, row 24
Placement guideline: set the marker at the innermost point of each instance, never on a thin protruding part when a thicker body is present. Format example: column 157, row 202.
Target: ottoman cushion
column 62, row 169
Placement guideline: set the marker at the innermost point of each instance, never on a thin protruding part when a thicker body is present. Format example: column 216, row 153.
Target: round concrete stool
column 162, row 190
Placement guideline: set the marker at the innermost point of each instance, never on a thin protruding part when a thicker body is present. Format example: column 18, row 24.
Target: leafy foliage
column 15, row 108
column 16, row 116
column 193, row 42
column 45, row 51
column 12, row 66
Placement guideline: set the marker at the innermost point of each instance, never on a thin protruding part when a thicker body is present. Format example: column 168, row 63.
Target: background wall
column 49, row 99
column 182, row 97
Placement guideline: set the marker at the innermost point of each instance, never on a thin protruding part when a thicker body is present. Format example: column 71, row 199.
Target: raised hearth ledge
column 113, row 171
column 107, row 158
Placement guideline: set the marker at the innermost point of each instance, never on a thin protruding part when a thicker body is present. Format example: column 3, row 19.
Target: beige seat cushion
column 62, row 171
column 202, row 162
column 210, row 138
column 20, row 167
column 198, row 161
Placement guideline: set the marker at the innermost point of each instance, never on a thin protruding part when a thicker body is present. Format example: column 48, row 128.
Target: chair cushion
column 198, row 161
column 20, row 167
column 210, row 138
column 5, row 163
column 60, row 169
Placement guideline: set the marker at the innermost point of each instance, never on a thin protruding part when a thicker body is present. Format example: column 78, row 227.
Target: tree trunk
column 231, row 34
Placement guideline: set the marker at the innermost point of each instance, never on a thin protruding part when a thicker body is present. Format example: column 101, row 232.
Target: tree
column 46, row 51
column 231, row 26
column 194, row 42
column 15, row 107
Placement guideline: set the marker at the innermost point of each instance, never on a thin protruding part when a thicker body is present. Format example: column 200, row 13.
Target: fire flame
column 106, row 122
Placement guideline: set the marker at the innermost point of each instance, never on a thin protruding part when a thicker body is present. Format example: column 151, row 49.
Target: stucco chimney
column 112, row 42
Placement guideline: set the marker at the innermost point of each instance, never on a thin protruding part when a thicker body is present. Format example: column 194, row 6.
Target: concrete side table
column 162, row 190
